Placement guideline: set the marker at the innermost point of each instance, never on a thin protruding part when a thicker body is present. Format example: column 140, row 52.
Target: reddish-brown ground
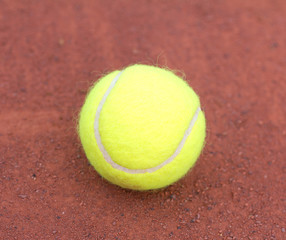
column 233, row 54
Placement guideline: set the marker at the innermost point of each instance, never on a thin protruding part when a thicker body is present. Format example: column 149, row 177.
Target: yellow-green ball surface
column 142, row 128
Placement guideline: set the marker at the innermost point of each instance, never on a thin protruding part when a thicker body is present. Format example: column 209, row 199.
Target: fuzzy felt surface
column 141, row 124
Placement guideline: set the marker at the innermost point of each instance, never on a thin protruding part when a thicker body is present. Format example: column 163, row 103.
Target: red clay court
column 233, row 53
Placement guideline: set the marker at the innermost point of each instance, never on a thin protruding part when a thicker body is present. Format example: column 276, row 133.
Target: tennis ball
column 142, row 128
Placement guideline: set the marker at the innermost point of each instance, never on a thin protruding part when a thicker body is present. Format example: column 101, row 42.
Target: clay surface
column 233, row 53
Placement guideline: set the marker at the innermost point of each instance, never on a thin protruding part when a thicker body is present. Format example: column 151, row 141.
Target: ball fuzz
column 142, row 127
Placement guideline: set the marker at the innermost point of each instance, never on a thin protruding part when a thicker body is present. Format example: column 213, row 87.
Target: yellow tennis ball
column 142, row 128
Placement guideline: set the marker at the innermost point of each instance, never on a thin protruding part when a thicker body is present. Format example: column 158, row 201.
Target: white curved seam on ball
column 136, row 171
